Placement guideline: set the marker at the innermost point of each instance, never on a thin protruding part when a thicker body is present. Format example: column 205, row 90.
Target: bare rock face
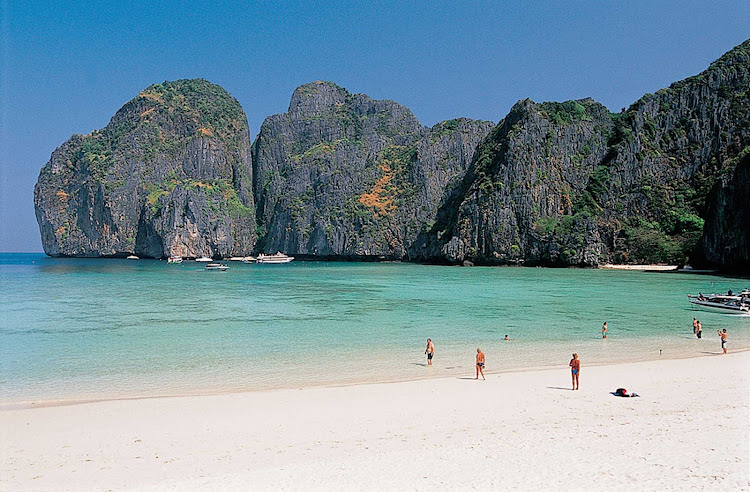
column 572, row 184
column 726, row 237
column 169, row 175
column 341, row 175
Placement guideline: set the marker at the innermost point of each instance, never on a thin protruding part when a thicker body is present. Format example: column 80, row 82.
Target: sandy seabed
column 516, row 431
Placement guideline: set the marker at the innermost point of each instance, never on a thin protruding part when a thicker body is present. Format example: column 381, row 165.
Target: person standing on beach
column 480, row 363
column 575, row 369
column 698, row 329
column 724, row 336
column 604, row 330
column 430, row 350
column 695, row 325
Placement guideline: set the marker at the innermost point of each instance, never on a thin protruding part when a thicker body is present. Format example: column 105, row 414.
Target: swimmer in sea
column 480, row 363
column 506, row 337
column 575, row 369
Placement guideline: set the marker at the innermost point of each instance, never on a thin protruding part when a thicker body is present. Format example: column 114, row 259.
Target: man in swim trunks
column 430, row 350
column 698, row 329
column 695, row 325
column 724, row 336
column 480, row 363
column 575, row 369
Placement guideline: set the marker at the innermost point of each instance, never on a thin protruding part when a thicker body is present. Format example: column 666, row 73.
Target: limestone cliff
column 169, row 175
column 343, row 175
column 571, row 184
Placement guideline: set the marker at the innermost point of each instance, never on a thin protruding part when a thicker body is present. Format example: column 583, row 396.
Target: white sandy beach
column 519, row 431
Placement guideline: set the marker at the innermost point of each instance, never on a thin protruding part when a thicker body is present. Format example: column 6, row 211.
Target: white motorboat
column 204, row 259
column 717, row 303
column 237, row 258
column 249, row 259
column 275, row 258
column 132, row 257
column 174, row 259
column 216, row 266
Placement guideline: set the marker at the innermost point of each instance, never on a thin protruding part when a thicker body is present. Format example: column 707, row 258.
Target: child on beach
column 480, row 363
column 575, row 369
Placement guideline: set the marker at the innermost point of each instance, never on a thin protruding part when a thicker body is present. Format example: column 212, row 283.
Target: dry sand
column 521, row 431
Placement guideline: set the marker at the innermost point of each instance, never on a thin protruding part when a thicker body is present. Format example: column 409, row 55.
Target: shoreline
column 67, row 402
column 445, row 433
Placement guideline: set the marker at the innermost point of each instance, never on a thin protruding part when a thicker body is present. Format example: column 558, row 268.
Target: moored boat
column 249, row 259
column 204, row 259
column 718, row 303
column 216, row 266
column 174, row 259
column 132, row 257
column 279, row 257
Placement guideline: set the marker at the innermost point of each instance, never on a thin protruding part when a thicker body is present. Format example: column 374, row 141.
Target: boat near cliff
column 726, row 304
column 174, row 259
column 204, row 259
column 277, row 258
column 216, row 266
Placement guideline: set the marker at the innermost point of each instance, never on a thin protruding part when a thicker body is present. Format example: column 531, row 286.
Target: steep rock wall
column 169, row 175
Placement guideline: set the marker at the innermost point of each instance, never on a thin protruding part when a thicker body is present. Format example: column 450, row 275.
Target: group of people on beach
column 723, row 335
column 575, row 362
column 430, row 351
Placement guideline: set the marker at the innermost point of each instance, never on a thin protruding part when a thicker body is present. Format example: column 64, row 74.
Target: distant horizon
column 67, row 69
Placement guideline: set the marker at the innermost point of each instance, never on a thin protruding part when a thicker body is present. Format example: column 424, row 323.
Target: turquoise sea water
column 95, row 328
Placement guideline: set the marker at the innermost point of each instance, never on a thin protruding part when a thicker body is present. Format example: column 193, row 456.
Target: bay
column 75, row 329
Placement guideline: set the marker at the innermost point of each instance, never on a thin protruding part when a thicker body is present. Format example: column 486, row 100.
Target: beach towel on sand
column 624, row 393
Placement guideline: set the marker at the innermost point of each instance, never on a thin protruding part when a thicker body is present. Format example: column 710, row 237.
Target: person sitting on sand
column 698, row 329
column 724, row 336
column 575, row 369
column 604, row 330
column 430, row 350
column 480, row 363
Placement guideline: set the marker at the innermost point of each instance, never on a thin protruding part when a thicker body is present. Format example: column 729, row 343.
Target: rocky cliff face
column 726, row 236
column 571, row 184
column 342, row 175
column 169, row 175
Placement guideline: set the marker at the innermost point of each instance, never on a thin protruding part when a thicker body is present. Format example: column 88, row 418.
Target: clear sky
column 67, row 66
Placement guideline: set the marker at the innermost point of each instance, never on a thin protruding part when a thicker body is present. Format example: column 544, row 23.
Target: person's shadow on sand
column 559, row 388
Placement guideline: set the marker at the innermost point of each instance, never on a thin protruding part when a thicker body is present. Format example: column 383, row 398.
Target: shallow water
column 95, row 328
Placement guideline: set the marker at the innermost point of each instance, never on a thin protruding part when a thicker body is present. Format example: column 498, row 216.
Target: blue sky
column 66, row 67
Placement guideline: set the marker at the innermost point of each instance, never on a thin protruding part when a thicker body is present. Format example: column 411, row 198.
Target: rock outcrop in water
column 341, row 175
column 571, row 184
column 169, row 175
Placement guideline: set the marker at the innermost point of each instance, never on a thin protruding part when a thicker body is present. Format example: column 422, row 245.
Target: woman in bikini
column 575, row 368
column 480, row 363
